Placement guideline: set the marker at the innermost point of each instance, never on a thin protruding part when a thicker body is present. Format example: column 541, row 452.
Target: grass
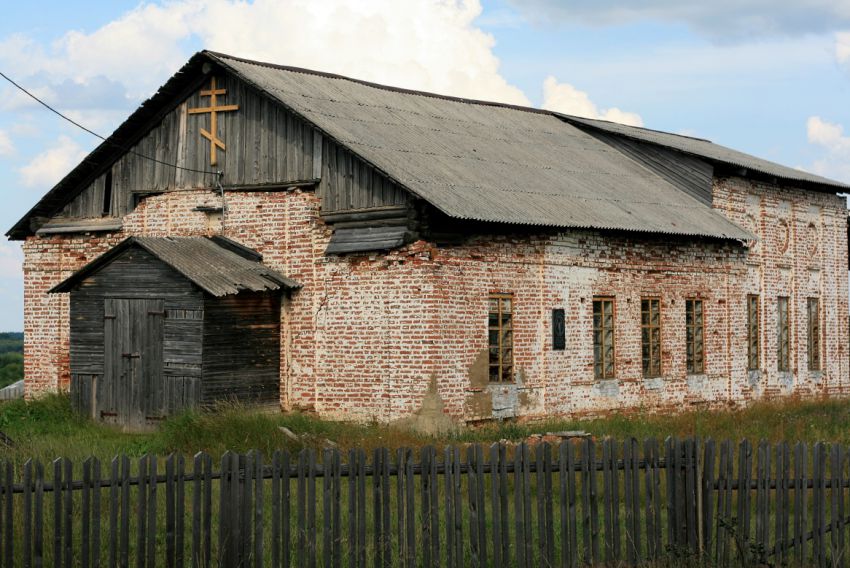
column 48, row 428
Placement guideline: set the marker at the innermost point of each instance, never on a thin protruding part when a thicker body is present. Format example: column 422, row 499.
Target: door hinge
column 131, row 355
column 162, row 313
column 109, row 317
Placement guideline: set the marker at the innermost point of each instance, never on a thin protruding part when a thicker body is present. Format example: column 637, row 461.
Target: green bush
column 11, row 368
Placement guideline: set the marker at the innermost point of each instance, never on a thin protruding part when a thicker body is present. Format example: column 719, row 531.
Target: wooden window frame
column 695, row 365
column 503, row 367
column 753, row 332
column 652, row 368
column 783, row 324
column 601, row 364
column 814, row 334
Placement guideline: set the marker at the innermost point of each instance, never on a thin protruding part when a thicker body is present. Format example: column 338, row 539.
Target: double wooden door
column 131, row 391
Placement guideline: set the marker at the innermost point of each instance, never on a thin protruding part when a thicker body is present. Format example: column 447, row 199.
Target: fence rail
column 583, row 503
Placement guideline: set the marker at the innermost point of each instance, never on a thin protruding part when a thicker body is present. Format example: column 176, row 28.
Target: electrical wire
column 95, row 134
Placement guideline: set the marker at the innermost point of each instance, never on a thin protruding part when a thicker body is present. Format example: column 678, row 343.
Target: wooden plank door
column 131, row 392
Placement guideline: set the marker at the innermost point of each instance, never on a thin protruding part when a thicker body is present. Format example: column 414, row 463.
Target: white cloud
column 11, row 259
column 721, row 20
column 829, row 136
column 50, row 166
column 564, row 98
column 434, row 46
column 6, row 146
column 842, row 47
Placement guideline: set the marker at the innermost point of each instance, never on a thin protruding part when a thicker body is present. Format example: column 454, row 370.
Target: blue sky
column 769, row 77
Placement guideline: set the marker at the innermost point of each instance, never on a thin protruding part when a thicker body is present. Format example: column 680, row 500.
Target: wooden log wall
column 242, row 348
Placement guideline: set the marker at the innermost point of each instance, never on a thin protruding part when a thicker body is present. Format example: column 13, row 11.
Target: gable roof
column 487, row 162
column 217, row 266
column 710, row 151
column 471, row 159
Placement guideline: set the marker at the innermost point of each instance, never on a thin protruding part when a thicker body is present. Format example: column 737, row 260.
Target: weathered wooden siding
column 348, row 183
column 242, row 348
column 265, row 143
column 137, row 274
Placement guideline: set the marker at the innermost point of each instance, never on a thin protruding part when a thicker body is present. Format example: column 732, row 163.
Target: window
column 752, row 332
column 695, row 336
column 106, row 208
column 501, row 337
column 814, row 334
column 783, row 344
column 559, row 333
column 650, row 329
column 603, row 338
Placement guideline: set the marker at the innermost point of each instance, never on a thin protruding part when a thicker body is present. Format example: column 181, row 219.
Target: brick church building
column 288, row 237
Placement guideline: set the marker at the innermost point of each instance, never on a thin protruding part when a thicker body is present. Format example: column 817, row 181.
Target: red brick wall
column 366, row 335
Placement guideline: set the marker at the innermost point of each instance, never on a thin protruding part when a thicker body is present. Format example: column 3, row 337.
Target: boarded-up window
column 783, row 331
column 501, row 337
column 650, row 327
column 752, row 332
column 814, row 334
column 559, row 333
column 695, row 336
column 603, row 338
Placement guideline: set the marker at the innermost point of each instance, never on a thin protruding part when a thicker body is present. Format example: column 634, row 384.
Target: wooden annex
column 159, row 325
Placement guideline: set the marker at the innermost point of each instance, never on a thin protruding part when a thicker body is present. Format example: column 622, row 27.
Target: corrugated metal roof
column 488, row 162
column 707, row 149
column 215, row 269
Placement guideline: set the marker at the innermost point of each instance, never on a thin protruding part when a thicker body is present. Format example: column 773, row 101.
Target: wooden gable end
column 266, row 147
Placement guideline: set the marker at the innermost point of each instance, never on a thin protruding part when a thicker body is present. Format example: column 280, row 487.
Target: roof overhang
column 218, row 266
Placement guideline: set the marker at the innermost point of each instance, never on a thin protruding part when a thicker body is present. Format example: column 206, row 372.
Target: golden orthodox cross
column 213, row 109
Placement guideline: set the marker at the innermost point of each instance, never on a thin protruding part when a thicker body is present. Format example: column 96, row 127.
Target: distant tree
column 11, row 368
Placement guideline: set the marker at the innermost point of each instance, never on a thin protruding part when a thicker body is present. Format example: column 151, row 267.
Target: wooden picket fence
column 580, row 503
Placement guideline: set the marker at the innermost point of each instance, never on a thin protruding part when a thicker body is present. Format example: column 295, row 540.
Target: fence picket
column 180, row 511
column 800, row 504
column 301, row 510
column 745, row 466
column 609, row 500
column 197, row 475
column 124, row 551
column 170, row 490
column 57, row 513
column 27, row 517
column 38, row 517
column 762, row 511
column 337, row 508
column 783, row 464
column 701, row 484
column 286, row 509
column 691, row 447
column 496, row 504
column 836, row 465
column 474, row 542
column 259, row 511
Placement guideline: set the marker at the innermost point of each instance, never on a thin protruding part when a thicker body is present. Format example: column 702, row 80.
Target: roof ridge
column 219, row 55
column 431, row 94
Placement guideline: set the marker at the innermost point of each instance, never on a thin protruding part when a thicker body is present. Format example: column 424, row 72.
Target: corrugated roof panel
column 489, row 163
column 708, row 149
column 215, row 269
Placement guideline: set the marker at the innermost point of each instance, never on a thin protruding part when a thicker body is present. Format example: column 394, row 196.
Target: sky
column 768, row 77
